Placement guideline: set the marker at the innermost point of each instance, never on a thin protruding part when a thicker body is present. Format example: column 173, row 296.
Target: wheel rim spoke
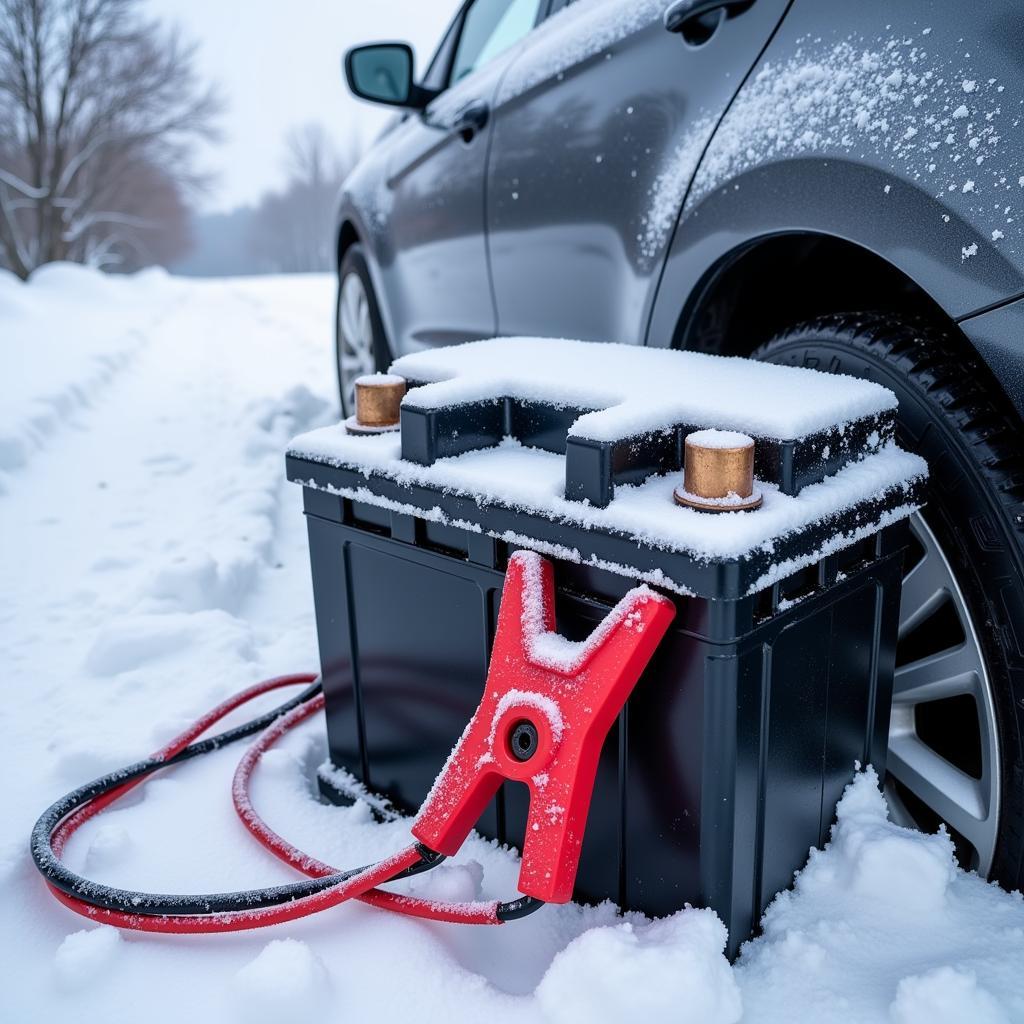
column 365, row 335
column 959, row 800
column 898, row 811
column 951, row 673
column 968, row 805
column 924, row 589
column 355, row 335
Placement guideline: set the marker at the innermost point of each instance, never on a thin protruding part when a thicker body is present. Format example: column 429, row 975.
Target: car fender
column 895, row 129
column 929, row 240
column 365, row 203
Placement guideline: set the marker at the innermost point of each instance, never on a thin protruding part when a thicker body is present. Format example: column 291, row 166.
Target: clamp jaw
column 546, row 709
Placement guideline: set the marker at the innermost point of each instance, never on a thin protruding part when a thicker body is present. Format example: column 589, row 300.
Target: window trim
column 450, row 42
column 543, row 9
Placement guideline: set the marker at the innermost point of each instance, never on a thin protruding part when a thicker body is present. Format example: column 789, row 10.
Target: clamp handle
column 546, row 710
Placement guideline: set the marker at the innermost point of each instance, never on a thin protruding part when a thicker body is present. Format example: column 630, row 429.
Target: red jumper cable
column 545, row 712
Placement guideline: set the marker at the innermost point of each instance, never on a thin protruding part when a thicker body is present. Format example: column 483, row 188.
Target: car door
column 605, row 114
column 435, row 275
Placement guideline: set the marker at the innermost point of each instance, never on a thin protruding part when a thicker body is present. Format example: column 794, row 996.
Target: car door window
column 489, row 28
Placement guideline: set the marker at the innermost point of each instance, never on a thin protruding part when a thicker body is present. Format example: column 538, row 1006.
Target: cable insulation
column 456, row 913
column 223, row 912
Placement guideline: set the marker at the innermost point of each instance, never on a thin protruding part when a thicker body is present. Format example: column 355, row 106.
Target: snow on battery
column 573, row 447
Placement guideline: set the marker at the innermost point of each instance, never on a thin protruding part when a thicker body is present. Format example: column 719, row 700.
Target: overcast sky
column 278, row 63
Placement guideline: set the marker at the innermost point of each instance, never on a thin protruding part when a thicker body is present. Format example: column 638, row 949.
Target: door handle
column 471, row 119
column 681, row 14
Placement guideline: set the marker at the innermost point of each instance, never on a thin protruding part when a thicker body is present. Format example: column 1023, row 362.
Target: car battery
column 775, row 678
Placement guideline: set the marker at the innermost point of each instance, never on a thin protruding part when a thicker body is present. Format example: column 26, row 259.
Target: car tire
column 360, row 345
column 957, row 758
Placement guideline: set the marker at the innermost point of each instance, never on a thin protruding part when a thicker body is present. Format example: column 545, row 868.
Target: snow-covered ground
column 154, row 561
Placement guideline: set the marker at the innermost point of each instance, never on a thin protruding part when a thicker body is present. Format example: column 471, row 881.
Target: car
column 813, row 182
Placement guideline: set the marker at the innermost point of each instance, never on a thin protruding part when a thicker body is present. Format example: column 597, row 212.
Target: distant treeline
column 288, row 231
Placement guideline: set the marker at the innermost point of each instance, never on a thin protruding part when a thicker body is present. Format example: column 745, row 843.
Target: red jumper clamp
column 546, row 709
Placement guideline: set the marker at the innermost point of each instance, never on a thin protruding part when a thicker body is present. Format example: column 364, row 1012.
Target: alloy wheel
column 943, row 763
column 355, row 337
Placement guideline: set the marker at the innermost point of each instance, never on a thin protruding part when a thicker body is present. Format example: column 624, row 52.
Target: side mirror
column 382, row 73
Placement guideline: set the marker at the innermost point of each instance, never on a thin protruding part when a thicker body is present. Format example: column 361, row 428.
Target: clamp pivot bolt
column 524, row 740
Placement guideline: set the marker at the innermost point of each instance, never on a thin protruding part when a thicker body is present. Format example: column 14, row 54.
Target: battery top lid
column 591, row 436
column 633, row 389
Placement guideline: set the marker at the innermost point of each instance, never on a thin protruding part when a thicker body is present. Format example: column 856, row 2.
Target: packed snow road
column 154, row 561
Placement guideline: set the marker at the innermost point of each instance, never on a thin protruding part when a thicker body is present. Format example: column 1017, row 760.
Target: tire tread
column 939, row 364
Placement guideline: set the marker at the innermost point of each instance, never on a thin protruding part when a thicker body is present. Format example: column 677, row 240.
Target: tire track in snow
column 140, row 536
column 70, row 334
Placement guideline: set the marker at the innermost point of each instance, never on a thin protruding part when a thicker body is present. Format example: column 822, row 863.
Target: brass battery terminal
column 718, row 472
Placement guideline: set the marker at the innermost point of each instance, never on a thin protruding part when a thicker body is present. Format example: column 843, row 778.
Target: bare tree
column 312, row 158
column 99, row 111
column 292, row 230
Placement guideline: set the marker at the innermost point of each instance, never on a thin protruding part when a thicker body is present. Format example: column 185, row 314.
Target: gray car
column 807, row 181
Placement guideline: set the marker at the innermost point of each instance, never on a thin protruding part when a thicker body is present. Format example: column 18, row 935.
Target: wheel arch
column 782, row 278
column 799, row 238
column 352, row 232
column 348, row 235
